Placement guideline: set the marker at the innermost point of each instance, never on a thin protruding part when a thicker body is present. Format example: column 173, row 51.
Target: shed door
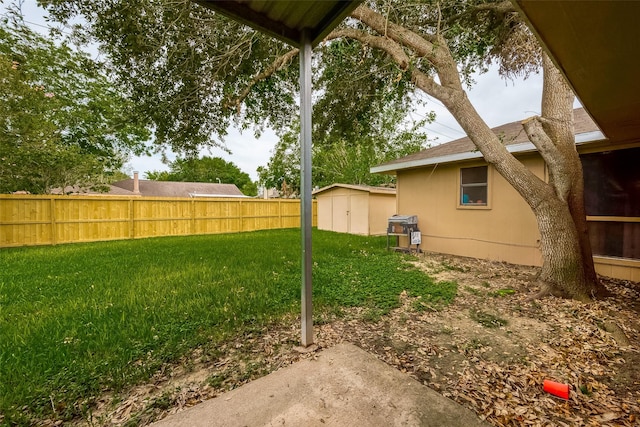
column 341, row 213
column 359, row 214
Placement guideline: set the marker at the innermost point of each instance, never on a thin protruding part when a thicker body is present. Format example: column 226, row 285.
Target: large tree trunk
column 563, row 271
column 558, row 204
column 578, row 213
column 566, row 177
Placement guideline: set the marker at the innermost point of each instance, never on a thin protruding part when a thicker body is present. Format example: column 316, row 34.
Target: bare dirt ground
column 490, row 351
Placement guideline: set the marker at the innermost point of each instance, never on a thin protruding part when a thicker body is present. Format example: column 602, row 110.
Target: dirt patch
column 490, row 351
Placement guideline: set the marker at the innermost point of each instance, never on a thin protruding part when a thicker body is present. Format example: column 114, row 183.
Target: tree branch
column 422, row 44
column 277, row 65
column 550, row 153
column 557, row 106
column 432, row 47
column 395, row 51
column 450, row 92
column 397, row 55
column 501, row 8
column 393, row 37
column 392, row 48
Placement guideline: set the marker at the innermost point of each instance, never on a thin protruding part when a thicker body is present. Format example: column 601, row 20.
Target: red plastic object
column 557, row 389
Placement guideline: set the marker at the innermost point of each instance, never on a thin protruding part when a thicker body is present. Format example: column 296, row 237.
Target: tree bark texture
column 557, row 106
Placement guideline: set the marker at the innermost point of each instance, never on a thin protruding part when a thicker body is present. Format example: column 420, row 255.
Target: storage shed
column 355, row 209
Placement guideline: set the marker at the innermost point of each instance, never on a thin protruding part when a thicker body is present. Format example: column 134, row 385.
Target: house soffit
column 595, row 45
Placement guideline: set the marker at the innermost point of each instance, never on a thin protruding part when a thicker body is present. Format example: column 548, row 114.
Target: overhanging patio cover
column 286, row 20
column 595, row 45
column 302, row 24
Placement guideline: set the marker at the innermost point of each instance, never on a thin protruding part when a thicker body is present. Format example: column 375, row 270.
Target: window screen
column 612, row 183
column 473, row 186
column 616, row 239
column 612, row 189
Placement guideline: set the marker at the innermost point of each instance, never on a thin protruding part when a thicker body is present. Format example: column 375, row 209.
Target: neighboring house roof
column 76, row 190
column 367, row 188
column 512, row 134
column 120, row 191
column 180, row 189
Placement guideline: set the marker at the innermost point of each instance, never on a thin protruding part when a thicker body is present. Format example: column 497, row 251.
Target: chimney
column 136, row 183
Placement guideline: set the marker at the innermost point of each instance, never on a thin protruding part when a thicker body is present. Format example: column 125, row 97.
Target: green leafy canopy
column 183, row 65
column 63, row 122
column 193, row 73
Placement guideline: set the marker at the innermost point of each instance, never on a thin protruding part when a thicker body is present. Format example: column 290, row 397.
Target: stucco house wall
column 503, row 230
column 502, row 227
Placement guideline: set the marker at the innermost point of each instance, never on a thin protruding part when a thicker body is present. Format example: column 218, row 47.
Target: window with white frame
column 473, row 186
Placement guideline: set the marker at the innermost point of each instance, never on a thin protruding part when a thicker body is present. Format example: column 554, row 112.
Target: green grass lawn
column 77, row 320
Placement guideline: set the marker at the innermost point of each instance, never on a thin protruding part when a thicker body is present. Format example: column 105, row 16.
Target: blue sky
column 497, row 100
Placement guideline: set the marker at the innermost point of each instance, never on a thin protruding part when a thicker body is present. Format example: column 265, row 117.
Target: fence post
column 241, row 216
column 54, row 237
column 132, row 227
column 193, row 216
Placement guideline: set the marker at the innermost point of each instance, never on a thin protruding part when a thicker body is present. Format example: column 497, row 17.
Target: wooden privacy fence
column 27, row 220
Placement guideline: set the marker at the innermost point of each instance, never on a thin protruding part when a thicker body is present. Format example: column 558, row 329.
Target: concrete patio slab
column 343, row 386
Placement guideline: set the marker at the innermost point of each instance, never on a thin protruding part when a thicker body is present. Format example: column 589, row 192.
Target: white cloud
column 145, row 164
column 247, row 152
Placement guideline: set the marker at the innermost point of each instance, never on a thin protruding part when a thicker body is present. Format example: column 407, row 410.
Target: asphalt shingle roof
column 180, row 189
column 510, row 133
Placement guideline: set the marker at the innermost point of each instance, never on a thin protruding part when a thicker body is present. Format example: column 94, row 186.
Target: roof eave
column 593, row 45
column 371, row 190
column 522, row 148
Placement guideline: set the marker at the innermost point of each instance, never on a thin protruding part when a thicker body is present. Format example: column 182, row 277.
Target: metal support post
column 305, row 187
